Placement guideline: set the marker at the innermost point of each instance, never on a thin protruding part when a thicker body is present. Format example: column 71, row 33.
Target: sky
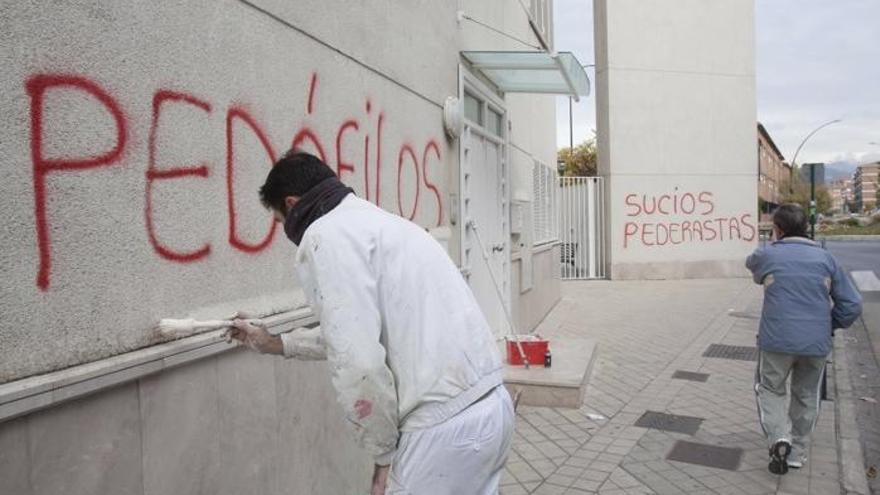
column 816, row 60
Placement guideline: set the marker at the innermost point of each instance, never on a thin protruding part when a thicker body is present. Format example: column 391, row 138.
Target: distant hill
column 840, row 170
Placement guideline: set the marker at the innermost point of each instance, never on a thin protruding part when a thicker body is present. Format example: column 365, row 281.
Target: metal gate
column 582, row 227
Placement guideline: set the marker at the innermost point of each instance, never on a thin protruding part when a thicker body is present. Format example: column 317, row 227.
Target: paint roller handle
column 254, row 335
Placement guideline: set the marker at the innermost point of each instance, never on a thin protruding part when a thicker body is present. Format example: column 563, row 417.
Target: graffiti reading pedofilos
column 421, row 161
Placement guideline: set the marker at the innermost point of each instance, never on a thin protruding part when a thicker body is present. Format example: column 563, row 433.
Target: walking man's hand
column 380, row 476
column 255, row 336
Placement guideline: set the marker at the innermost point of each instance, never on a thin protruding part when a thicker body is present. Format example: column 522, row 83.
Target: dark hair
column 791, row 219
column 293, row 175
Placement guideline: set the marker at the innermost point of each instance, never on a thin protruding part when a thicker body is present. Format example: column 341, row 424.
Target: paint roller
column 177, row 328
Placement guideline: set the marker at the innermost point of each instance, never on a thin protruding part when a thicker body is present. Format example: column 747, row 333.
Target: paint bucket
column 533, row 346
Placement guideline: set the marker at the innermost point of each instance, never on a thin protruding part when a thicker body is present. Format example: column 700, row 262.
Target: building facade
column 774, row 173
column 865, row 187
column 677, row 156
column 841, row 192
column 135, row 138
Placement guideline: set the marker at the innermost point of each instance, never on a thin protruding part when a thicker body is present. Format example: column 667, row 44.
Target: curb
column 849, row 238
column 852, row 460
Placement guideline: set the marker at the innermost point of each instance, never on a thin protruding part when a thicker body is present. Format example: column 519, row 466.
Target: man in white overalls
column 412, row 358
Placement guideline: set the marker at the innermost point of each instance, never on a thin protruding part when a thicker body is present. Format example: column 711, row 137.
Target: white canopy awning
column 532, row 72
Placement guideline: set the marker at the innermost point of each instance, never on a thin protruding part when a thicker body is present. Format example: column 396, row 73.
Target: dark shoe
column 779, row 457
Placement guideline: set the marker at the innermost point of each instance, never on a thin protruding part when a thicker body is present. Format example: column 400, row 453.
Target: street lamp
column 571, row 119
column 812, row 176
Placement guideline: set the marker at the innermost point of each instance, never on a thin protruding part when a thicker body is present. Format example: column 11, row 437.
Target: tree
column 798, row 191
column 582, row 162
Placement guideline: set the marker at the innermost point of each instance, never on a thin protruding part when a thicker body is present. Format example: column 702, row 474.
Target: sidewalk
column 646, row 331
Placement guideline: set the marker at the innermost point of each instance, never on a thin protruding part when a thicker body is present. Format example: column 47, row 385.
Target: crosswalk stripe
column 866, row 280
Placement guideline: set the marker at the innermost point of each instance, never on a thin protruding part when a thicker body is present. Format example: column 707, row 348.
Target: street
column 863, row 349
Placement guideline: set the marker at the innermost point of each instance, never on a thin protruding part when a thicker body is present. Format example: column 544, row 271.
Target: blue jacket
column 801, row 280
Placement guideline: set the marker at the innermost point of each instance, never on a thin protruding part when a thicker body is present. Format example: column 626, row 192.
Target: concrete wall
column 676, row 116
column 534, row 302
column 235, row 424
column 532, row 139
column 135, row 137
column 103, row 100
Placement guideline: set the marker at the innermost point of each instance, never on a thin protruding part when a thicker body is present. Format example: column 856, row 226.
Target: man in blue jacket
column 806, row 295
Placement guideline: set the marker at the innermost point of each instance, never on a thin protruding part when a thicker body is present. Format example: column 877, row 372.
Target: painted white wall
column 676, row 116
column 238, row 75
column 534, row 304
column 108, row 285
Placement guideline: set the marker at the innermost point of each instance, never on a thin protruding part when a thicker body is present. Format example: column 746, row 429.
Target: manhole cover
column 690, row 375
column 706, row 455
column 669, row 422
column 738, row 352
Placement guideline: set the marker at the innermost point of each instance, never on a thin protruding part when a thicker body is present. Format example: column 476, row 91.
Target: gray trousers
column 789, row 418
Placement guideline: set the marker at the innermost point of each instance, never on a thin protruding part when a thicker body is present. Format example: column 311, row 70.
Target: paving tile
column 550, row 449
column 577, row 462
column 560, row 479
column 603, row 466
column 549, row 489
column 544, row 467
column 523, row 472
column 587, row 485
column 513, row 490
column 824, row 487
column 610, row 458
column 595, row 475
column 531, row 485
column 578, row 491
column 568, row 470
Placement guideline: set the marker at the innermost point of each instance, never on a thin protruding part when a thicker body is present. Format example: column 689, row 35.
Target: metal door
column 484, row 203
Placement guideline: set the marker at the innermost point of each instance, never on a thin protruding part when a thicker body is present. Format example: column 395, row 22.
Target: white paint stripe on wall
column 866, row 280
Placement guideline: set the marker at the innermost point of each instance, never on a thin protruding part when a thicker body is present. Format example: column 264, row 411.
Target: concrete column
column 675, row 93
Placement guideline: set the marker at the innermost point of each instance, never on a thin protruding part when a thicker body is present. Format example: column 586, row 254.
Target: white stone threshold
column 38, row 392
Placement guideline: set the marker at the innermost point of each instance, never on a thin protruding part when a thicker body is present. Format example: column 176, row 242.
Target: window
column 495, row 123
column 473, row 109
column 542, row 13
column 544, row 186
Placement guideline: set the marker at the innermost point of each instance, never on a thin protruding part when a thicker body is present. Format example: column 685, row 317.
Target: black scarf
column 312, row 205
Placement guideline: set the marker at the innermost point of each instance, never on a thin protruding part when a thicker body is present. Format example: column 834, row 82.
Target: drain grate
column 706, row 455
column 690, row 375
column 738, row 352
column 669, row 422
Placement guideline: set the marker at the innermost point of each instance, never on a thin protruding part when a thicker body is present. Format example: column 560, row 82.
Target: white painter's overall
column 463, row 455
column 409, row 350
